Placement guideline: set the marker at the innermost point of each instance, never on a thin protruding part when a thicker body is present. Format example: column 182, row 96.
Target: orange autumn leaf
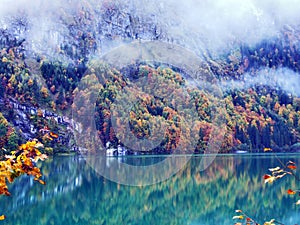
column 53, row 135
column 5, row 192
column 292, row 167
column 34, row 172
column 42, row 182
column 269, row 179
column 3, row 188
column 47, row 136
column 291, row 192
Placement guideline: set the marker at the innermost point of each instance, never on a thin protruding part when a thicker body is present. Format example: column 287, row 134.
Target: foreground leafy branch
column 245, row 219
column 20, row 162
column 277, row 173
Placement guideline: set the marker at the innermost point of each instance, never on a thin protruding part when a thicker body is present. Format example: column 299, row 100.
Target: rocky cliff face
column 31, row 123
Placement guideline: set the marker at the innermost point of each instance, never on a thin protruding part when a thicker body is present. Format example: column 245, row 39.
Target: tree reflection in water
column 76, row 194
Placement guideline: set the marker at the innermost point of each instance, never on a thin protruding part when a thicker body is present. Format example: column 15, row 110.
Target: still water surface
column 76, row 194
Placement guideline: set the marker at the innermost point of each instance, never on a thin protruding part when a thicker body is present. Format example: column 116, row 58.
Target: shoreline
column 153, row 154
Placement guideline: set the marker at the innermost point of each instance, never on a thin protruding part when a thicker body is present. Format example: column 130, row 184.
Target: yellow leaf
column 40, row 157
column 2, row 217
column 274, row 169
column 271, row 222
column 39, row 145
column 238, row 217
column 4, row 60
column 20, row 162
column 5, row 174
column 280, row 176
column 267, row 149
column 10, row 156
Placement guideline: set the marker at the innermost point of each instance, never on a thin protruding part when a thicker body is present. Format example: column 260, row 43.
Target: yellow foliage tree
column 21, row 161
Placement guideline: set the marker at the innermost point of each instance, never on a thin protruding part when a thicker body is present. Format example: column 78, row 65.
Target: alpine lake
column 76, row 193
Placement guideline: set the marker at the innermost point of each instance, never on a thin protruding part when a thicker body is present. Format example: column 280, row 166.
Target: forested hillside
column 259, row 84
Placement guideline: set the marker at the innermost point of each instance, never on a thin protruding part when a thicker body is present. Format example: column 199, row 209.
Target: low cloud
column 281, row 79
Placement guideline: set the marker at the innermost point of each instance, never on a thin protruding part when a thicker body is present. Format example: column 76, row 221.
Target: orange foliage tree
column 20, row 162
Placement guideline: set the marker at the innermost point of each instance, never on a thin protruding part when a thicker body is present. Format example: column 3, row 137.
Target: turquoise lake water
column 76, row 194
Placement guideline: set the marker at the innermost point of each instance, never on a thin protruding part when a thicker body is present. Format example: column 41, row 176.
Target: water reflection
column 76, row 194
column 138, row 170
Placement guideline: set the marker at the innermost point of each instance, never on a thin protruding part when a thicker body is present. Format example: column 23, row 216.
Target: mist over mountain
column 201, row 25
column 280, row 79
column 251, row 48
